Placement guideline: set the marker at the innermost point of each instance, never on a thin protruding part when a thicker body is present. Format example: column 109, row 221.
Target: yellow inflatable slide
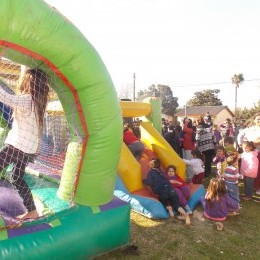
column 129, row 169
column 129, row 186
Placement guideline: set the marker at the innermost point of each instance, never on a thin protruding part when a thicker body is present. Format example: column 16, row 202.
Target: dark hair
column 155, row 163
column 198, row 154
column 229, row 140
column 189, row 125
column 127, row 126
column 250, row 144
column 200, row 120
column 178, row 128
column 220, row 147
column 171, row 127
column 39, row 89
column 39, row 92
column 171, row 166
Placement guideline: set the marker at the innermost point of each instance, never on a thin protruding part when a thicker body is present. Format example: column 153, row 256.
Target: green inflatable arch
column 89, row 100
column 33, row 28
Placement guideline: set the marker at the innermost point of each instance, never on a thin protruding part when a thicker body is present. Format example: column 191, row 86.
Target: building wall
column 170, row 118
column 222, row 116
column 217, row 119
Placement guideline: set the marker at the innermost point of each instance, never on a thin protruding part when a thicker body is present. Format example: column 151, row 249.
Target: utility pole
column 134, row 87
column 236, row 87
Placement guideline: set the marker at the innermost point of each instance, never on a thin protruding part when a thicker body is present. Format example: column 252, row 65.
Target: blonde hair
column 216, row 189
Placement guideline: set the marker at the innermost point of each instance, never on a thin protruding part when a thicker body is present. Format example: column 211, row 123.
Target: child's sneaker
column 188, row 209
column 246, row 198
column 257, row 192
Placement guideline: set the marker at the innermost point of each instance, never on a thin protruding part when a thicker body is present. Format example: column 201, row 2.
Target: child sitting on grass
column 217, row 203
column 180, row 187
column 162, row 187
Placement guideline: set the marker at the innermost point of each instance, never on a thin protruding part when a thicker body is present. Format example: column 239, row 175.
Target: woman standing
column 205, row 142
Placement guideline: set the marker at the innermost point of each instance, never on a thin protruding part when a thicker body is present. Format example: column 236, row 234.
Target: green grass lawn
column 171, row 239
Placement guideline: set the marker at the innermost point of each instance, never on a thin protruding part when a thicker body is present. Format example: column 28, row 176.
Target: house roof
column 202, row 110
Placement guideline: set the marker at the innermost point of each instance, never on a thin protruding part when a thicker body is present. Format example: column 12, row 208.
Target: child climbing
column 22, row 140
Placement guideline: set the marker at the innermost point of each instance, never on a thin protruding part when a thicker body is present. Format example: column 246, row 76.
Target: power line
column 208, row 84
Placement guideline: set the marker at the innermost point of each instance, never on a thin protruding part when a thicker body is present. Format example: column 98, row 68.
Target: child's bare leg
column 233, row 213
column 220, row 226
column 31, row 214
column 184, row 213
column 169, row 208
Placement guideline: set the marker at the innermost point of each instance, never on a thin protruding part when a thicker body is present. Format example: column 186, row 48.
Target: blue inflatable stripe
column 149, row 207
column 144, row 206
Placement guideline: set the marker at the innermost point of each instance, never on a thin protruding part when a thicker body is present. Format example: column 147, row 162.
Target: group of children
column 222, row 197
column 232, row 166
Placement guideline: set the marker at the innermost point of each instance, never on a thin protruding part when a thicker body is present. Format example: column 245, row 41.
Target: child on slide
column 180, row 187
column 160, row 185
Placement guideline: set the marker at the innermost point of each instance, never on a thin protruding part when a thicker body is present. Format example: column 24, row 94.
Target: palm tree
column 237, row 79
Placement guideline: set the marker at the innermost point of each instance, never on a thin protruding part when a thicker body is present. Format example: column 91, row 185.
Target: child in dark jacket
column 162, row 187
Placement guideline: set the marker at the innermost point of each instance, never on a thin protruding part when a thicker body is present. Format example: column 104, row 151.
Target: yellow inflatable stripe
column 153, row 139
column 135, row 109
column 129, row 170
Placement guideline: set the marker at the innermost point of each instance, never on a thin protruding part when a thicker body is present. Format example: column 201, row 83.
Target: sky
column 188, row 45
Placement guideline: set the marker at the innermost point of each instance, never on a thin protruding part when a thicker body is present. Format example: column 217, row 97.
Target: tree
column 237, row 79
column 247, row 113
column 169, row 103
column 206, row 97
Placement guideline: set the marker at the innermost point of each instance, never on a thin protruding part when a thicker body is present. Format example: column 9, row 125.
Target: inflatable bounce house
column 129, row 185
column 73, row 176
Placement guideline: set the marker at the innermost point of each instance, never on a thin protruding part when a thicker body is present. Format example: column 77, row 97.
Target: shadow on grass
column 171, row 239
